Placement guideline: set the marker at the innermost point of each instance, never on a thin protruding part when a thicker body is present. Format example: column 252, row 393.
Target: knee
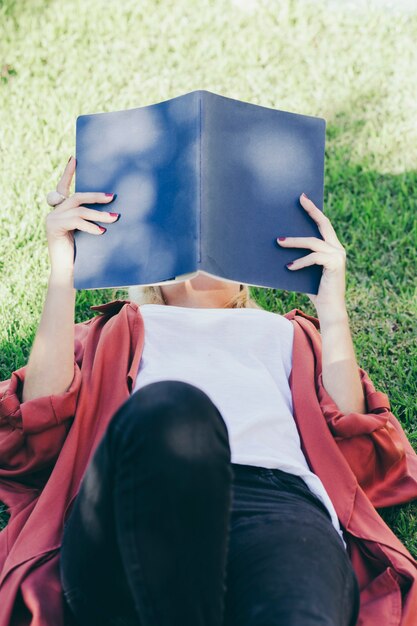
column 173, row 420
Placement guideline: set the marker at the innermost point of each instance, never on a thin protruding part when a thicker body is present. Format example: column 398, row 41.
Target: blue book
column 203, row 183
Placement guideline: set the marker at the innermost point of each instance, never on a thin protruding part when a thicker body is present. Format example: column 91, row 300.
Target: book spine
column 200, row 99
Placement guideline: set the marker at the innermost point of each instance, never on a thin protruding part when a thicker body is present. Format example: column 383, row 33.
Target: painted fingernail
column 109, row 194
column 103, row 230
column 114, row 214
column 304, row 195
column 281, row 238
column 290, row 263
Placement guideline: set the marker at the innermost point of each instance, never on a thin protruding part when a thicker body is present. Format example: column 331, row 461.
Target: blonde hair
column 152, row 294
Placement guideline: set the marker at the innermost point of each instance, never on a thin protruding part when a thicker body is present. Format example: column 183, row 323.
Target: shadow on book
column 204, row 183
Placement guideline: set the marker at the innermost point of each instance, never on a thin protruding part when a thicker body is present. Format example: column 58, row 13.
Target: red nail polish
column 290, row 263
column 109, row 194
column 303, row 194
column 114, row 214
column 103, row 230
column 281, row 238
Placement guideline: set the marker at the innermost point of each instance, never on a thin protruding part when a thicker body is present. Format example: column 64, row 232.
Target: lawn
column 354, row 67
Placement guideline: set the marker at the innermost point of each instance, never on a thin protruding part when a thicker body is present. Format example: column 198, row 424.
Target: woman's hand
column 330, row 254
column 340, row 371
column 69, row 215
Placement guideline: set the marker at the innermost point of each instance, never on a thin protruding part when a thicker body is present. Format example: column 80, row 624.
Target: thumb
column 64, row 183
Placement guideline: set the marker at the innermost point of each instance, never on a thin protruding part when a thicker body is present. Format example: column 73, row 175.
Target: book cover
column 204, row 183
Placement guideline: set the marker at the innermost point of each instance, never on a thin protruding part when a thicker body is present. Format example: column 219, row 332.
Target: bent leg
column 163, row 467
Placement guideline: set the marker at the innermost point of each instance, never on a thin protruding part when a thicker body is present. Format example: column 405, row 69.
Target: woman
column 281, row 562
column 198, row 505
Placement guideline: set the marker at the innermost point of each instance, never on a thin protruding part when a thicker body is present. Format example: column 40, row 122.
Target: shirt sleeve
column 32, row 433
column 374, row 444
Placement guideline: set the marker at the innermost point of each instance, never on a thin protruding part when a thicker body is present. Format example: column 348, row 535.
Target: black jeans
column 166, row 531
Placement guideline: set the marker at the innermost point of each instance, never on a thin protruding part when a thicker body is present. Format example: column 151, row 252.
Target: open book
column 203, row 183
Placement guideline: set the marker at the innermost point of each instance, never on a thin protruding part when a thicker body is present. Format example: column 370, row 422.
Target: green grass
column 355, row 68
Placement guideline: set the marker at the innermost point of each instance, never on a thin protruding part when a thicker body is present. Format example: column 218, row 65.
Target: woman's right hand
column 68, row 216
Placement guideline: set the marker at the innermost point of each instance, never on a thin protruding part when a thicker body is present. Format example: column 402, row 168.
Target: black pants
column 166, row 531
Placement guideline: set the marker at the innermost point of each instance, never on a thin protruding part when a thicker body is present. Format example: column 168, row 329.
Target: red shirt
column 364, row 461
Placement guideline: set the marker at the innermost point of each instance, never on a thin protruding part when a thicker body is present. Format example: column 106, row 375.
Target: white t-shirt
column 242, row 359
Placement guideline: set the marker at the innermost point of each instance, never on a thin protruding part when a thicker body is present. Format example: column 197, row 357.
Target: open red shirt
column 365, row 461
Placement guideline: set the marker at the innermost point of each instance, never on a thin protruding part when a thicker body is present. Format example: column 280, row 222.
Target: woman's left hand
column 329, row 253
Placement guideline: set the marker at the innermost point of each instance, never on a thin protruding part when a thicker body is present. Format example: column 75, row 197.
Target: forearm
column 50, row 368
column 340, row 371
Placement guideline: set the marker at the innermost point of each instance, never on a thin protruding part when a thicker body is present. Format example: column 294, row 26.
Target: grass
column 352, row 66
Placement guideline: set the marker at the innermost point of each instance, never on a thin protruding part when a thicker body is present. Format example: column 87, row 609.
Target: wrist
column 332, row 314
column 61, row 278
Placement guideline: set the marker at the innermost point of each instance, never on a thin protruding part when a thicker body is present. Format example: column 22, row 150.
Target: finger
column 95, row 214
column 87, row 226
column 332, row 262
column 79, row 197
column 64, row 183
column 318, row 245
column 323, row 222
column 88, row 197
